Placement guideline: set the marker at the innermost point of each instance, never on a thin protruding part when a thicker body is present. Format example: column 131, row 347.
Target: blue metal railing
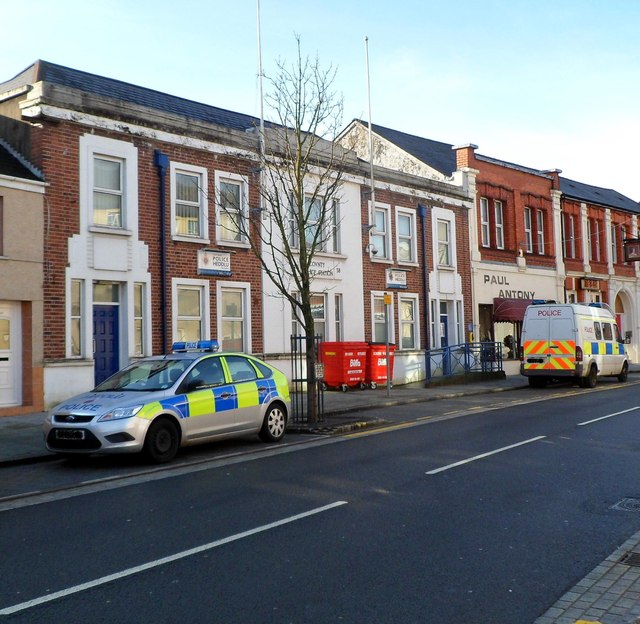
column 468, row 357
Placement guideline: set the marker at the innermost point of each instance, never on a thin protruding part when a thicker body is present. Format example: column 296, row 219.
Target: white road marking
column 588, row 422
column 160, row 562
column 483, row 455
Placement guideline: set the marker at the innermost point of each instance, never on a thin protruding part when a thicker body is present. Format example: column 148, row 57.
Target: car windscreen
column 145, row 376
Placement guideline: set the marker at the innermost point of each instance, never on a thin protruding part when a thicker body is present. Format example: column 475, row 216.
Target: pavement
column 609, row 594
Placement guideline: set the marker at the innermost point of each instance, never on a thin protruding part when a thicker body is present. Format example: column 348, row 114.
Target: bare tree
column 302, row 170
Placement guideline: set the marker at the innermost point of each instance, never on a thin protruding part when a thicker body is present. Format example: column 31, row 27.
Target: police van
column 571, row 341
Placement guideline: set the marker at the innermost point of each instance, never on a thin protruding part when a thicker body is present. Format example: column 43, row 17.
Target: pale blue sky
column 543, row 83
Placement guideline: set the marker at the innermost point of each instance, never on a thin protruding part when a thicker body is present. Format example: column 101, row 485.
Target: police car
column 158, row 404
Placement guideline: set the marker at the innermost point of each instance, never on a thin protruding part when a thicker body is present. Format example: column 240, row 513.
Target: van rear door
column 549, row 339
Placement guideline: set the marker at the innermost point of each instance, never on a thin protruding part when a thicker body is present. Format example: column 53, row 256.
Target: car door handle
column 226, row 395
column 262, row 388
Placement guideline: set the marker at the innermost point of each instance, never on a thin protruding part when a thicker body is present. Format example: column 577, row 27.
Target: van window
column 617, row 333
column 606, row 331
column 596, row 326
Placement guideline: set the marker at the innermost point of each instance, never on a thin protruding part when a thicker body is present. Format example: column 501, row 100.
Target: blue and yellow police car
column 161, row 403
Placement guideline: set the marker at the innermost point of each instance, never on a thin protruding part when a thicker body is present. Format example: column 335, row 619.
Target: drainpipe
column 422, row 211
column 161, row 161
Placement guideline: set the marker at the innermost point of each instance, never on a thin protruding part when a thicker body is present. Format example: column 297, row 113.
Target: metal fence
column 299, row 378
column 468, row 357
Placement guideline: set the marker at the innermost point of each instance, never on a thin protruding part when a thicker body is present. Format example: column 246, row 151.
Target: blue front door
column 105, row 340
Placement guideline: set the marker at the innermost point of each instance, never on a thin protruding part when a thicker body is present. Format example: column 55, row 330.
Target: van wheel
column 591, row 379
column 624, row 373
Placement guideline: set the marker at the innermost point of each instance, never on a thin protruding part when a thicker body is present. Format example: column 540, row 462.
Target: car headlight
column 121, row 412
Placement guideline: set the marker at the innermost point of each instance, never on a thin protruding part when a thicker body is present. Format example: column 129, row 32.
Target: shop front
column 502, row 298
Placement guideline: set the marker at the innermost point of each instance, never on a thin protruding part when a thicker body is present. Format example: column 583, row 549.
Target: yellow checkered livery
column 549, row 355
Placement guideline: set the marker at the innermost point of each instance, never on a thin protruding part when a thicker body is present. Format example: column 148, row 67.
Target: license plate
column 69, row 434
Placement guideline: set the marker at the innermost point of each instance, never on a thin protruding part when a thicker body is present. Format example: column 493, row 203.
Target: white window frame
column 445, row 244
column 570, row 236
column 410, row 239
column 377, row 296
column 614, row 245
column 415, row 323
column 296, row 327
column 245, row 289
column 444, row 214
column 203, row 285
column 243, row 182
column 498, row 211
column 203, row 194
column 597, row 240
column 528, row 235
column 338, row 317
column 92, row 146
column 485, row 227
column 623, row 236
column 540, row 231
column 381, row 241
column 76, row 319
column 139, row 335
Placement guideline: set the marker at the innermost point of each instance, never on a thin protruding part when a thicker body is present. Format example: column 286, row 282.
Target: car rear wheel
column 274, row 424
column 624, row 373
column 162, row 441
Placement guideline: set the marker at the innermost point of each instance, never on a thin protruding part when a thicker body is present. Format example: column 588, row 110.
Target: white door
column 10, row 349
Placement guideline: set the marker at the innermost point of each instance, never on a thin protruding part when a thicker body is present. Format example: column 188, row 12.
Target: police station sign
column 212, row 262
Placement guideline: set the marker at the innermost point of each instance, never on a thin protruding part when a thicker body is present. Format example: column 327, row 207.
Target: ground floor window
column 232, row 319
column 408, row 323
column 77, row 314
column 191, row 310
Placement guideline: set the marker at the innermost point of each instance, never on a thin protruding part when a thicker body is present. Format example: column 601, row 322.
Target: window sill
column 446, row 267
column 408, row 263
column 99, row 229
column 235, row 244
column 381, row 260
column 190, row 239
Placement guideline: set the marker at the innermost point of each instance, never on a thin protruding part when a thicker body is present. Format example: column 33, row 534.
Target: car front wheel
column 162, row 441
column 274, row 424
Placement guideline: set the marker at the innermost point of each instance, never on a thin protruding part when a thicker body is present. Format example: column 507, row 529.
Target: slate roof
column 597, row 195
column 13, row 165
column 141, row 96
column 440, row 156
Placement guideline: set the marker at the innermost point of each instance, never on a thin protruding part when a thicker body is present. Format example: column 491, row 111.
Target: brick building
column 22, row 215
column 136, row 252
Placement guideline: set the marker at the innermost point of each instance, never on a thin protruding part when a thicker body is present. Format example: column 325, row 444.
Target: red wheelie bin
column 345, row 364
column 377, row 363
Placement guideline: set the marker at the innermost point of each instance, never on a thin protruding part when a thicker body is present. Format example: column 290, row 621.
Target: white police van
column 571, row 341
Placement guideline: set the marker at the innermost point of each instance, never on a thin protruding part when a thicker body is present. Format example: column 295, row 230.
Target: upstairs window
column 380, row 238
column 569, row 241
column 405, row 226
column 444, row 243
column 322, row 225
column 540, row 231
column 528, row 235
column 187, row 205
column 484, row 222
column 499, row 216
column 232, row 192
column 108, row 192
column 614, row 245
column 188, row 201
